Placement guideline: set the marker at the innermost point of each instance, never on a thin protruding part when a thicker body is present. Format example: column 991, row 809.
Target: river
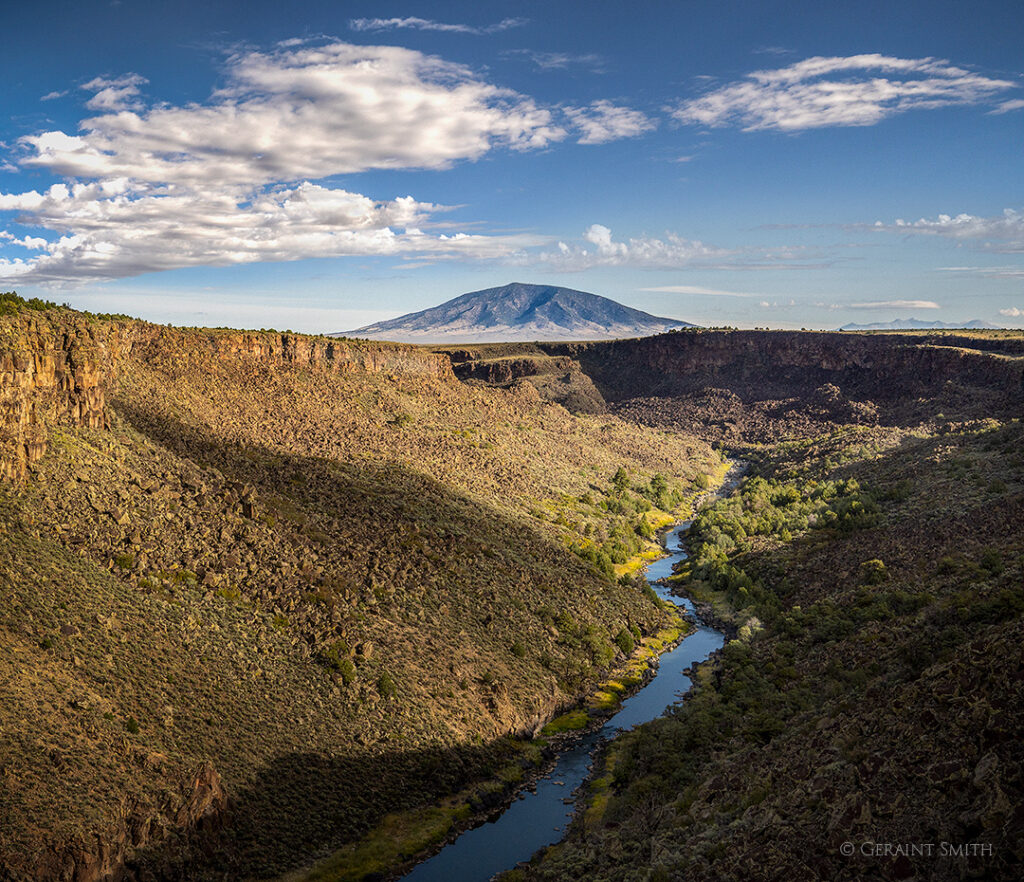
column 540, row 817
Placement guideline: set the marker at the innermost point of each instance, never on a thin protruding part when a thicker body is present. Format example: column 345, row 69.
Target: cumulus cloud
column 603, row 121
column 598, row 247
column 234, row 179
column 305, row 113
column 120, row 93
column 601, row 249
column 859, row 90
column 895, row 304
column 108, row 236
column 231, row 180
column 426, row 24
column 1003, row 233
column 1012, row 312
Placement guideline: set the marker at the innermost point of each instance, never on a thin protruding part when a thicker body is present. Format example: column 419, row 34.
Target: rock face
column 761, row 385
column 521, row 312
column 759, row 365
column 196, row 808
column 556, row 378
column 48, row 374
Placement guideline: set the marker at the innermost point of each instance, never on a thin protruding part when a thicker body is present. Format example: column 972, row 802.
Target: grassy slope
column 343, row 589
column 881, row 702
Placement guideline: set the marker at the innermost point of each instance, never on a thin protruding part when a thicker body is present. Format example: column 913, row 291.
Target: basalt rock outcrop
column 557, row 378
column 758, row 365
column 194, row 807
column 763, row 385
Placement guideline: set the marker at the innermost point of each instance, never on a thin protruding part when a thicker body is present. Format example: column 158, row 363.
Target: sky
column 318, row 166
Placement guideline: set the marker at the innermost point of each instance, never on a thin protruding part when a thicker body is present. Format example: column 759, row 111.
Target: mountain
column 913, row 324
column 520, row 312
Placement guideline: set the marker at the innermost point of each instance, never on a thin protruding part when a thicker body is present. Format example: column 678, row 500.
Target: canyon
column 246, row 570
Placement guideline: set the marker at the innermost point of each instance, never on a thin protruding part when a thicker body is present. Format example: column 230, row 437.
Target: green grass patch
column 570, row 722
column 398, row 837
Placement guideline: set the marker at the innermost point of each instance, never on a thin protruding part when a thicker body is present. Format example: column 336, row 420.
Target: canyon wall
column 758, row 365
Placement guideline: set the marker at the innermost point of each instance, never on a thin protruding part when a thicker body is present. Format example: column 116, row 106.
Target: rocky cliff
column 50, row 372
column 759, row 365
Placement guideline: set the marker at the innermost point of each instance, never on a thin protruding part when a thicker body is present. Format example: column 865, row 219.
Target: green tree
column 620, row 480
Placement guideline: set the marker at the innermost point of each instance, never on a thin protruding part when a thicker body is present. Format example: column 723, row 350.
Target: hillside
column 880, row 701
column 520, row 312
column 279, row 585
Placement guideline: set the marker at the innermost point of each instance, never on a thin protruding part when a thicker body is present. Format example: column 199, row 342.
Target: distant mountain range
column 520, row 312
column 913, row 324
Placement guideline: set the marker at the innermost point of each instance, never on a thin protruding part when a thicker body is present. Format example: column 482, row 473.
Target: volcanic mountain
column 520, row 312
column 913, row 324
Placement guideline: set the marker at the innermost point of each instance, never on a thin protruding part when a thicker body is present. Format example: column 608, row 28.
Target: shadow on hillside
column 361, row 496
column 906, row 377
column 301, row 806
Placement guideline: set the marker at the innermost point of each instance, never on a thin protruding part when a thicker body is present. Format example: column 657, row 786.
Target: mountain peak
column 520, row 311
column 913, row 324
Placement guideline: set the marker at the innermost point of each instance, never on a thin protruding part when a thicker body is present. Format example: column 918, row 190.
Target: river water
column 540, row 817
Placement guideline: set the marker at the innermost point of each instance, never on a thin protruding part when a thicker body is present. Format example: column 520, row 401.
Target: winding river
column 540, row 817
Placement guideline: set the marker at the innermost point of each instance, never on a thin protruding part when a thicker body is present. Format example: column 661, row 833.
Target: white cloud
column 603, row 121
column 696, row 289
column 426, row 24
column 230, row 181
column 859, row 90
column 1007, row 106
column 305, row 113
column 602, row 250
column 107, row 237
column 1003, row 233
column 988, row 272
column 896, row 304
column 1012, row 312
column 671, row 251
column 51, row 96
column 121, row 93
column 33, row 243
column 547, row 61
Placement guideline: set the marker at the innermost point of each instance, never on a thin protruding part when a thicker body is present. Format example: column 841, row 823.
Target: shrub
column 386, row 686
column 624, row 640
column 336, row 658
column 620, row 480
column 873, row 572
column 519, row 649
column 992, row 560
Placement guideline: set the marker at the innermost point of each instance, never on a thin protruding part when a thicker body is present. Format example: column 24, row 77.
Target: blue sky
column 323, row 165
